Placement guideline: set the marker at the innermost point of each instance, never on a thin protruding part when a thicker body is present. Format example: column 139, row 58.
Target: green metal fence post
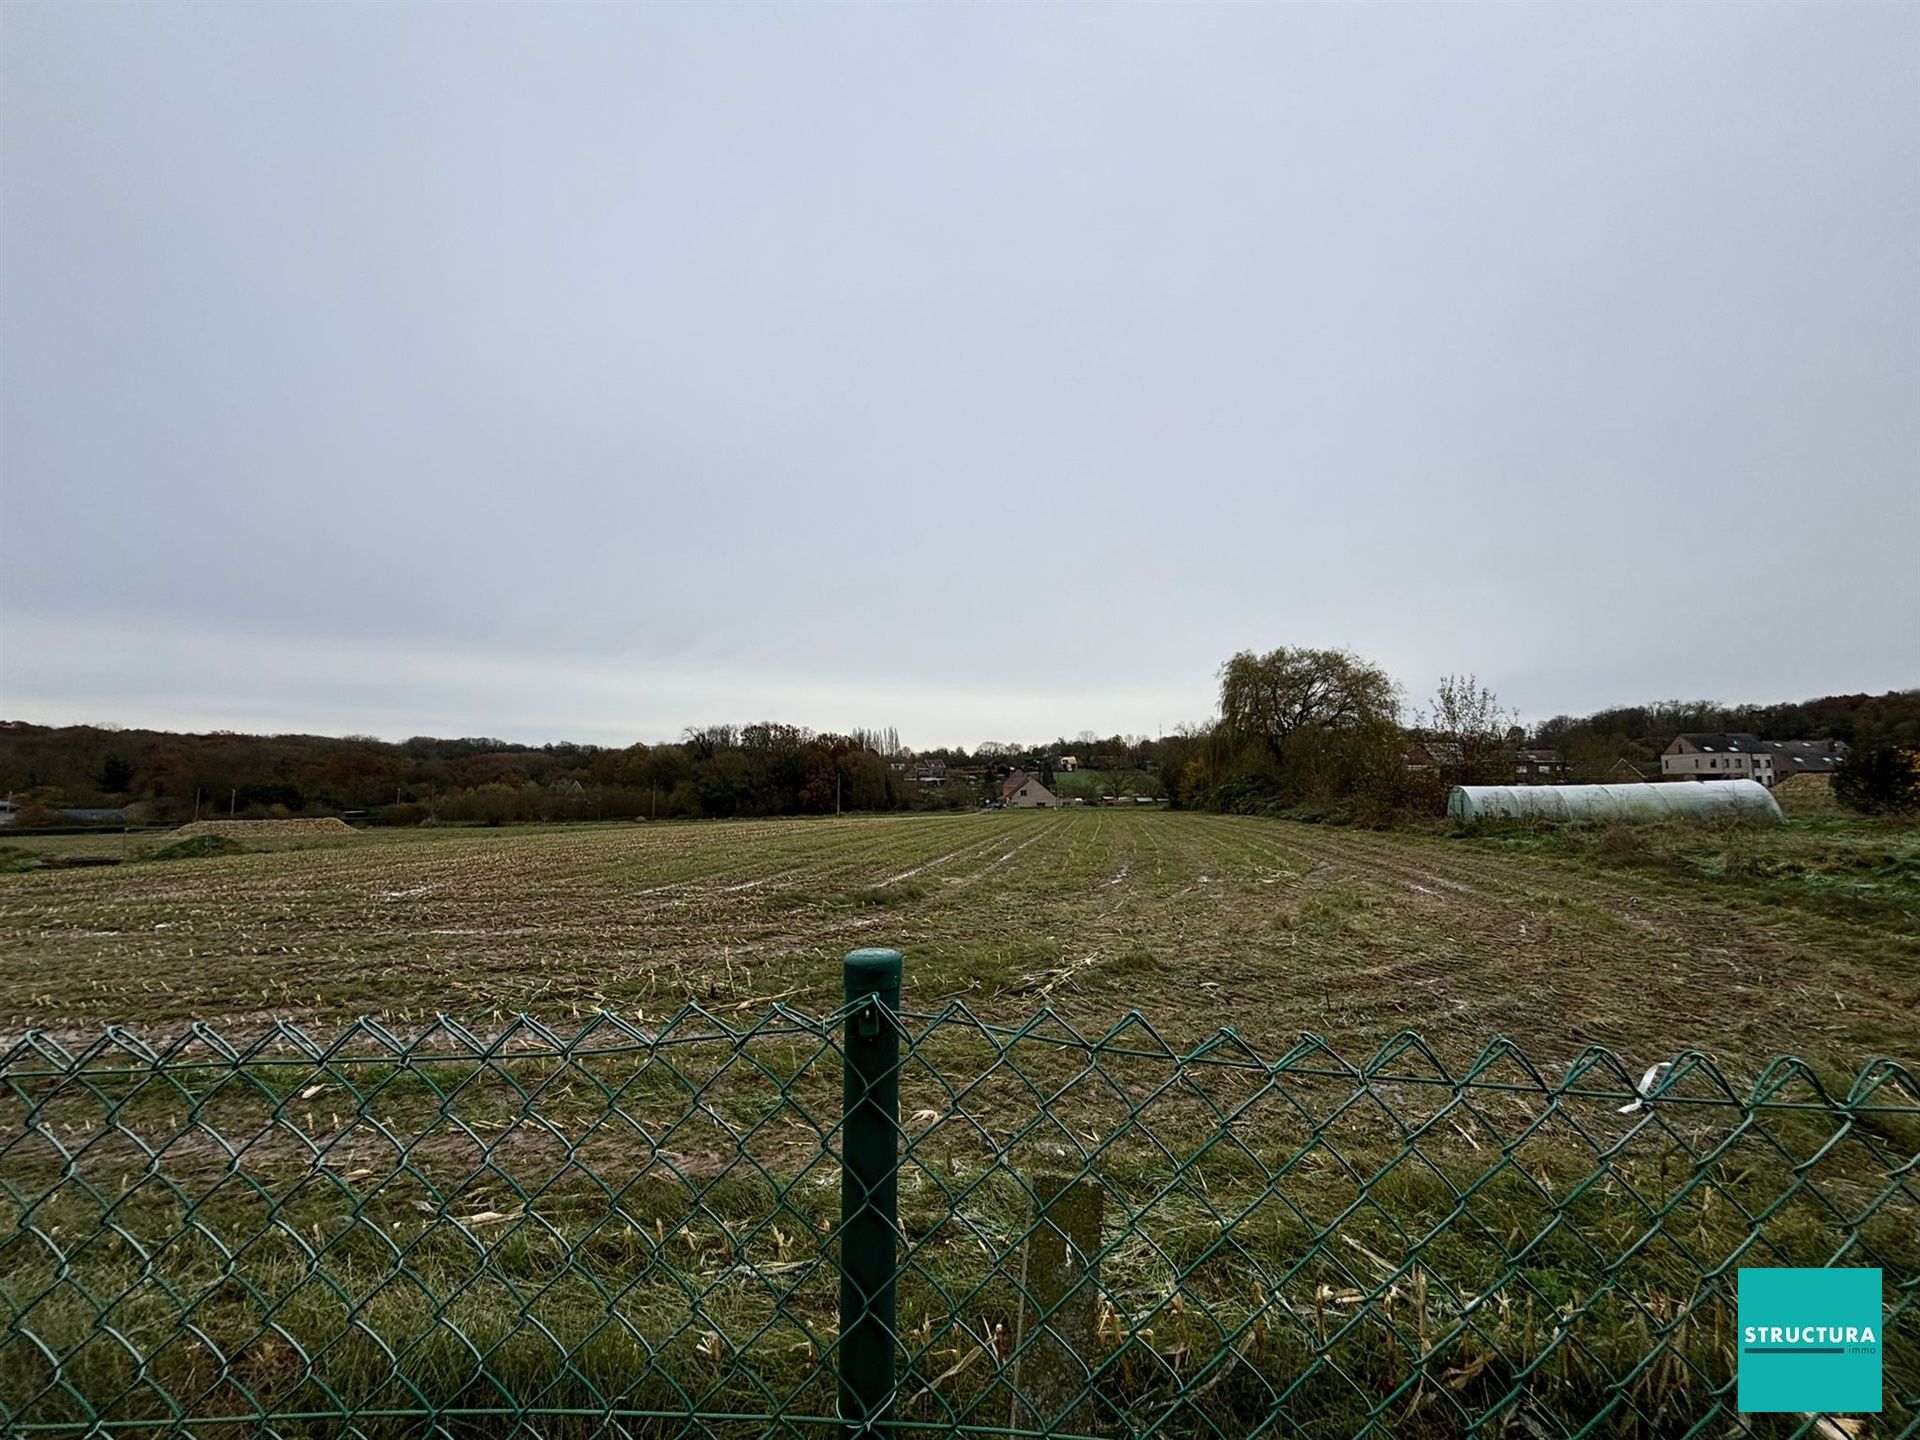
column 869, row 1189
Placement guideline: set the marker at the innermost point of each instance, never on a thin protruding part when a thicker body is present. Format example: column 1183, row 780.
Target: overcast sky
column 988, row 371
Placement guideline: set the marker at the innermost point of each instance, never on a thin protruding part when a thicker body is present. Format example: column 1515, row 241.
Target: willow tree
column 1299, row 725
column 1271, row 698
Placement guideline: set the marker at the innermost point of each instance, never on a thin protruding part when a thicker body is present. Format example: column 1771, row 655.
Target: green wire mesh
column 634, row 1230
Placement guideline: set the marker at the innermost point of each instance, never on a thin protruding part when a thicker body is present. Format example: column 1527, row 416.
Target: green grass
column 1093, row 784
column 658, row 1211
column 1865, row 872
column 23, row 849
column 196, row 847
column 636, row 1218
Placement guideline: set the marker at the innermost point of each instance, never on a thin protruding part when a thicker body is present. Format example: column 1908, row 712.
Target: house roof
column 1015, row 779
column 1790, row 755
column 1722, row 742
column 1798, row 757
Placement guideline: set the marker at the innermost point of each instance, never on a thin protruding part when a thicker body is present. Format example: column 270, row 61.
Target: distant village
column 1018, row 789
column 1707, row 755
column 1698, row 756
column 1704, row 755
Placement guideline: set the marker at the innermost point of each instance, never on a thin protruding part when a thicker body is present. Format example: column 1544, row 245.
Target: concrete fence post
column 1059, row 1311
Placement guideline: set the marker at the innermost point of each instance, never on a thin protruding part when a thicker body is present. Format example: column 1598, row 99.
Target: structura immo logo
column 1809, row 1340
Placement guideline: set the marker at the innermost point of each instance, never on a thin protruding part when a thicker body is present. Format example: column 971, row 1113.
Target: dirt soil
column 1199, row 921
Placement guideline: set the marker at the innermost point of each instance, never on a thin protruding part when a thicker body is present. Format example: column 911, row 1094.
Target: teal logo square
column 1809, row 1340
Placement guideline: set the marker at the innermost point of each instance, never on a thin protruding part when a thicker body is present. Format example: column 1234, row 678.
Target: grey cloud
column 980, row 370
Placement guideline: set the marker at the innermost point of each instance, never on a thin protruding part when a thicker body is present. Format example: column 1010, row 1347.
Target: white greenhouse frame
column 1676, row 800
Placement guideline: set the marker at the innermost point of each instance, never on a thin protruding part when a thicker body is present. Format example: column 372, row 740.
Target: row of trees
column 1297, row 729
column 712, row 770
column 719, row 770
column 1638, row 733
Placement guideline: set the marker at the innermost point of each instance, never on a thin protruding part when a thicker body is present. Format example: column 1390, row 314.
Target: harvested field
column 1745, row 944
column 325, row 828
column 665, row 1197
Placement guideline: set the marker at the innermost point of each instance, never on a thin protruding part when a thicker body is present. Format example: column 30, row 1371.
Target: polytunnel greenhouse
column 1677, row 800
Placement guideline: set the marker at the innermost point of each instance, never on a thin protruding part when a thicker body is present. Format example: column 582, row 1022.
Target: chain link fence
column 888, row 1222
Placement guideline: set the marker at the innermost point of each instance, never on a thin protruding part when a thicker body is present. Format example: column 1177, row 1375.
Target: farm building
column 1736, row 755
column 1433, row 755
column 1805, row 757
column 1710, row 799
column 1023, row 791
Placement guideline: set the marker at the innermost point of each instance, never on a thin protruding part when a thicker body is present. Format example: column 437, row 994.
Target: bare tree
column 1470, row 732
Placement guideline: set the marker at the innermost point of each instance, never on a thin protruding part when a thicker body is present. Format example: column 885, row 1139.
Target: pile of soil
column 329, row 828
column 1808, row 797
